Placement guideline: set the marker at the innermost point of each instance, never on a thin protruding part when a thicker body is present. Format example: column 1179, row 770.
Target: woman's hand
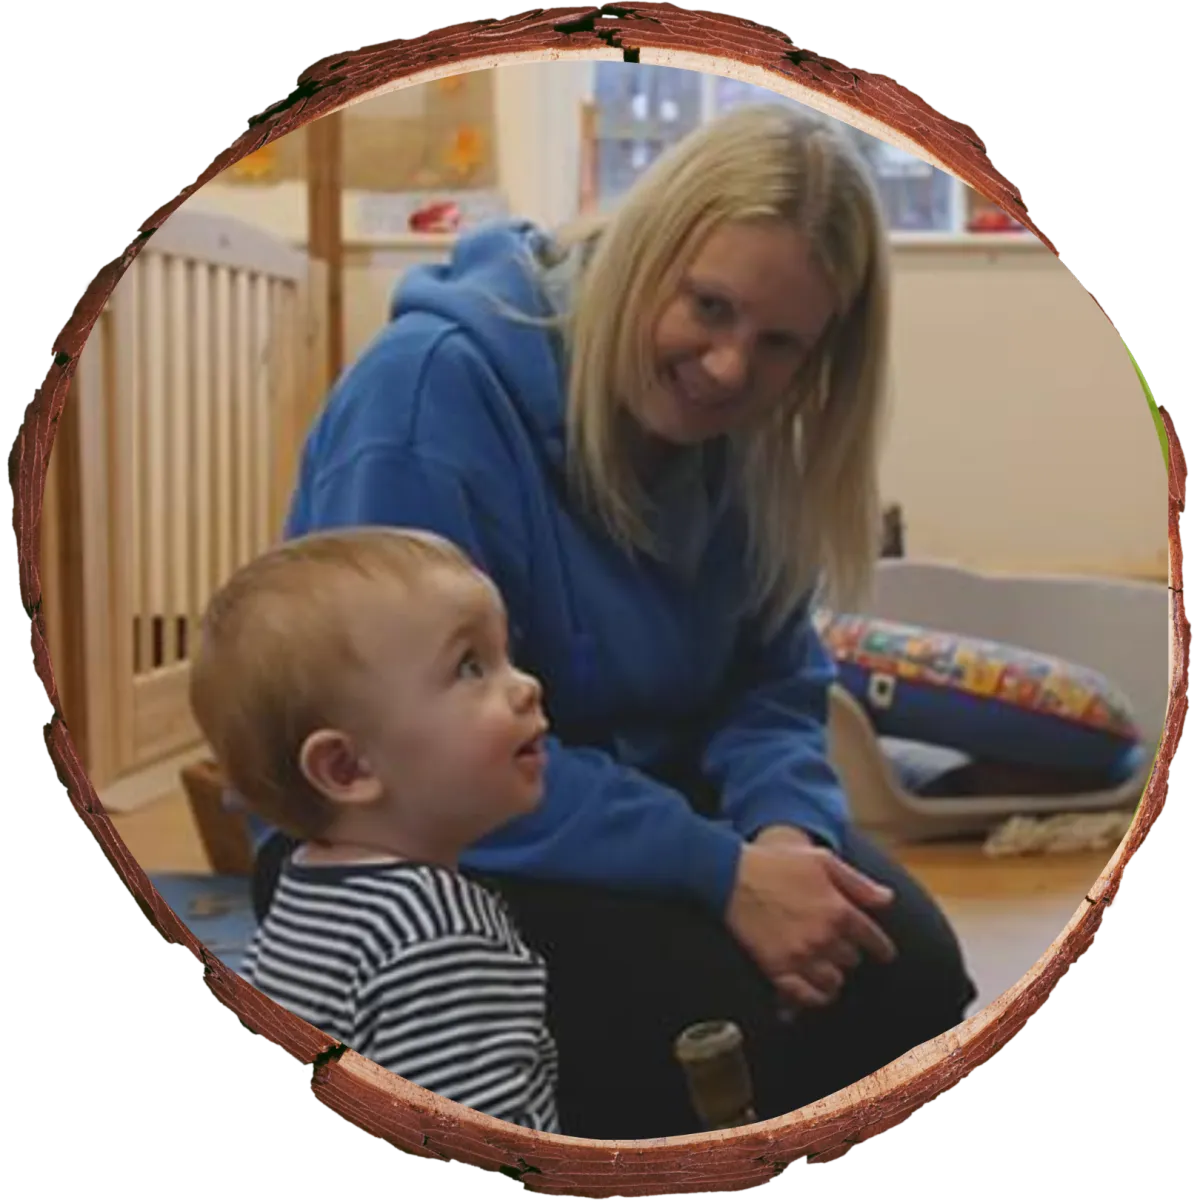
column 782, row 835
column 798, row 911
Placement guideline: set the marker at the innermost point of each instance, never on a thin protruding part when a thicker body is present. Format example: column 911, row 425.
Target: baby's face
column 452, row 729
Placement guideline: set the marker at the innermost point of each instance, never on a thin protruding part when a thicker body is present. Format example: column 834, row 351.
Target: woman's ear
column 334, row 768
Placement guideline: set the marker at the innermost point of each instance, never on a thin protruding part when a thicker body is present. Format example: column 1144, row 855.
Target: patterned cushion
column 986, row 699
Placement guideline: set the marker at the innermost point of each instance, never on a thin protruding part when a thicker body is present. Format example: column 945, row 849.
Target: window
column 640, row 110
column 916, row 197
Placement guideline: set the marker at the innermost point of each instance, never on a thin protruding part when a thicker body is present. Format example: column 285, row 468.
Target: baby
column 356, row 690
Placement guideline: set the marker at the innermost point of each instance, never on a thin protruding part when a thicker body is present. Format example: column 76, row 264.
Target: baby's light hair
column 276, row 656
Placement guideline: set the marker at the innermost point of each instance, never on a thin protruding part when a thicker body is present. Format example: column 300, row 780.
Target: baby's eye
column 469, row 666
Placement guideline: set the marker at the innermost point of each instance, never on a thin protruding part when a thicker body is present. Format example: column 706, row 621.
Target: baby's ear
column 334, row 767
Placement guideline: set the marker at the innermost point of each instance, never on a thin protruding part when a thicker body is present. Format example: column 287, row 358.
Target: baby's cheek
column 499, row 740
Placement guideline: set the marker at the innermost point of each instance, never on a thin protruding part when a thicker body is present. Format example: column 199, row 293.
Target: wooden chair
column 223, row 830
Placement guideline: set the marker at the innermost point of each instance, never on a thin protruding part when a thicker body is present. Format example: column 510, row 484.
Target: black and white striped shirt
column 419, row 970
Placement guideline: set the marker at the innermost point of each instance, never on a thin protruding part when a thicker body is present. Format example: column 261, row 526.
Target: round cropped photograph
column 611, row 599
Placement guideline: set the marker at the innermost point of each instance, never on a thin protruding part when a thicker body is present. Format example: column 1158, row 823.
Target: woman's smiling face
column 728, row 346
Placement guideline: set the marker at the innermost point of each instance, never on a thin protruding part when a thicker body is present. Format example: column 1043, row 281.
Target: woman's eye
column 711, row 308
column 783, row 342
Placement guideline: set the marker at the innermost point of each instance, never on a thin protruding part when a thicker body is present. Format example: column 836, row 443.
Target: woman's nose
column 727, row 364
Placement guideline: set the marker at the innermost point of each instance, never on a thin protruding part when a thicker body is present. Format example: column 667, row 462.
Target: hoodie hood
column 493, row 279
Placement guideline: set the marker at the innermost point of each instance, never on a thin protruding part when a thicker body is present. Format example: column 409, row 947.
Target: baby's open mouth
column 535, row 747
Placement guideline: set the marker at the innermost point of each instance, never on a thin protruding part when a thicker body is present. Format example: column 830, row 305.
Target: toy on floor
column 718, row 1077
column 1063, row 833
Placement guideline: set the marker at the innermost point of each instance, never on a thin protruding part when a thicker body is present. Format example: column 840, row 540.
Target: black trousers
column 629, row 971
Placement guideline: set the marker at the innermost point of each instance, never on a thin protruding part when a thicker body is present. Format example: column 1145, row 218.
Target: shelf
column 359, row 245
column 1022, row 240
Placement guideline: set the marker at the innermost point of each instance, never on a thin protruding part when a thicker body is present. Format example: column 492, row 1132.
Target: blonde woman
column 658, row 436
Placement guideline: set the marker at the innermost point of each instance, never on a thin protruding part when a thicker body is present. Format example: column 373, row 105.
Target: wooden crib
column 171, row 466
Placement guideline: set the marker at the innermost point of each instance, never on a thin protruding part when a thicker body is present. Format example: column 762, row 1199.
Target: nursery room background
column 1026, row 534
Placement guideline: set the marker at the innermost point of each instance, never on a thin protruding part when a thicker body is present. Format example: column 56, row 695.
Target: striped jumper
column 420, row 970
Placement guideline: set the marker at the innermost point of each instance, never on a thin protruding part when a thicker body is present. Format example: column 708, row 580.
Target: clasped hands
column 803, row 915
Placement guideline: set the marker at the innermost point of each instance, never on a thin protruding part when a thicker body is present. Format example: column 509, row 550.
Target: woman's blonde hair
column 277, row 655
column 806, row 477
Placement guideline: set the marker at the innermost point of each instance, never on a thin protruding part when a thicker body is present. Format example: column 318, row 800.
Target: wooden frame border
column 384, row 1104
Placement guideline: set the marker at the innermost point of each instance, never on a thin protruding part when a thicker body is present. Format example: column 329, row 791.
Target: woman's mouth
column 696, row 398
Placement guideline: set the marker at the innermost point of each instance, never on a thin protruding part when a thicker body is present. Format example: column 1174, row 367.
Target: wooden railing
column 172, row 465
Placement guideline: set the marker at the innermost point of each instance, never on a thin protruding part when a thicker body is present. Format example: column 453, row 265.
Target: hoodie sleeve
column 600, row 821
column 769, row 757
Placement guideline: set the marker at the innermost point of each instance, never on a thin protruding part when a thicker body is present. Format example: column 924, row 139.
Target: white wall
column 1020, row 438
column 538, row 118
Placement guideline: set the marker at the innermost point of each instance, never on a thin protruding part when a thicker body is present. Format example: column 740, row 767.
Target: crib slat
column 156, row 328
column 229, row 449
column 237, row 395
column 223, row 509
column 120, row 410
column 244, row 350
column 160, row 547
column 271, row 414
column 199, row 411
column 186, row 461
column 131, row 354
column 107, row 649
column 213, row 412
column 253, row 329
column 173, row 549
column 145, row 465
column 292, row 375
column 261, row 412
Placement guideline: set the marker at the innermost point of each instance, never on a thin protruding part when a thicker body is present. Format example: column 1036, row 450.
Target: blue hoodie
column 452, row 420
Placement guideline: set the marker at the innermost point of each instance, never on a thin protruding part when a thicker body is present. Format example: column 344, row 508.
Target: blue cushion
column 985, row 699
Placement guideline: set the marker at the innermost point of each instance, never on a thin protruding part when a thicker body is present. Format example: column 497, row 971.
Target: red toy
column 441, row 216
column 993, row 220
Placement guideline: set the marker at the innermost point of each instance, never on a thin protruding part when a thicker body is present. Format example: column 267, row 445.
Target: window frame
column 957, row 233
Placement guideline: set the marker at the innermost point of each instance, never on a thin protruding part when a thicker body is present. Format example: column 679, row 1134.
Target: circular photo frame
column 407, row 1116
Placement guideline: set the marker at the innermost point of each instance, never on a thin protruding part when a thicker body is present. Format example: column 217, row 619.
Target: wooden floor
column 1006, row 911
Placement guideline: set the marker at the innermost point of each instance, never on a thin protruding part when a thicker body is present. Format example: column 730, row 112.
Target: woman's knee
column 930, row 960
